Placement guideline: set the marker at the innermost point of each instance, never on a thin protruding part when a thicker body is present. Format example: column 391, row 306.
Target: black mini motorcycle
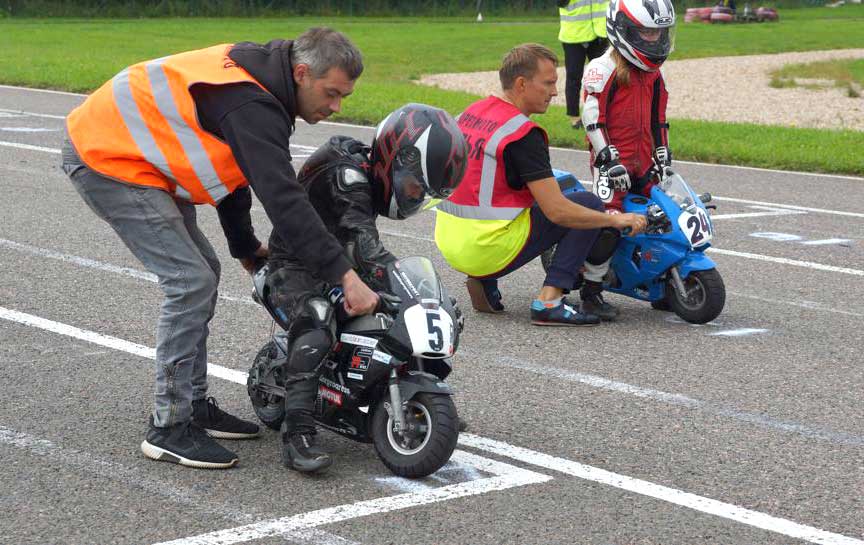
column 383, row 381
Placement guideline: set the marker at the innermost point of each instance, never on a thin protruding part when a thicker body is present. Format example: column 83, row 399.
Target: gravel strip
column 730, row 89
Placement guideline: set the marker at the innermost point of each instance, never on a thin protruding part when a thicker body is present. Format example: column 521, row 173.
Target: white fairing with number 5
column 431, row 331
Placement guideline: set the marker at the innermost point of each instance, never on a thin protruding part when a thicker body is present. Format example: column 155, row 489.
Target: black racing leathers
column 337, row 180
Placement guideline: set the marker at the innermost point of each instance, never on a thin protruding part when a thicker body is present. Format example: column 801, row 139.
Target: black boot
column 299, row 451
column 593, row 302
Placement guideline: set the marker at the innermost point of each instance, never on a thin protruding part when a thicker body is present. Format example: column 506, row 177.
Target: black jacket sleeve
column 237, row 223
column 258, row 134
column 356, row 227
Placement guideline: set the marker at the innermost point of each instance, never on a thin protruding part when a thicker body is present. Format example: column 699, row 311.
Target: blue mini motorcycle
column 666, row 264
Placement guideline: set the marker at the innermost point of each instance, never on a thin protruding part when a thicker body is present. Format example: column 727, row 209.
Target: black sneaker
column 484, row 294
column 594, row 303
column 300, row 453
column 188, row 445
column 561, row 314
column 217, row 423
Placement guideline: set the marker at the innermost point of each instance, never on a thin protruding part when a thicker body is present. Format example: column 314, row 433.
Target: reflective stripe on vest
column 189, row 141
column 583, row 21
column 484, row 210
column 142, row 127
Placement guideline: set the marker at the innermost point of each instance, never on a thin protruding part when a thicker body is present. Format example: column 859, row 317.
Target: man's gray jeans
column 163, row 234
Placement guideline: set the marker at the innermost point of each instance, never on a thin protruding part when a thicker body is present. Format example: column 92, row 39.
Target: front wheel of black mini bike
column 432, row 429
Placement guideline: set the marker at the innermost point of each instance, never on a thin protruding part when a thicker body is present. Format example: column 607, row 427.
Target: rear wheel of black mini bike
column 432, row 429
column 269, row 408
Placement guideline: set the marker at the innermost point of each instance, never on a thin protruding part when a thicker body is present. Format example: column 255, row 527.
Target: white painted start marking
column 769, row 211
column 28, row 147
column 679, row 400
column 785, row 261
column 506, row 476
column 92, row 264
column 777, row 237
column 685, row 499
column 7, row 115
column 826, row 241
column 27, row 129
column 741, row 332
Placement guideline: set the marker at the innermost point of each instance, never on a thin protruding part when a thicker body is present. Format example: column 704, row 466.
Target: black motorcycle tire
column 270, row 412
column 705, row 298
column 442, row 432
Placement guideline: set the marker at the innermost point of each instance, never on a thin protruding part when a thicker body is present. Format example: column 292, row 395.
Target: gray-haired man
column 201, row 127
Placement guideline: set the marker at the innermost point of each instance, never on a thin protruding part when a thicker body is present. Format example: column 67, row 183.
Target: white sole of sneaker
column 159, row 454
column 229, row 435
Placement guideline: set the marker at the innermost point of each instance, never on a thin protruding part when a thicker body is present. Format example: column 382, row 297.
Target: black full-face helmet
column 418, row 151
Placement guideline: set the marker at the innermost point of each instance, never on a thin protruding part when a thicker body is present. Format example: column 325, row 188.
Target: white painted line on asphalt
column 567, row 150
column 92, row 264
column 769, row 211
column 745, row 255
column 28, row 147
column 685, row 499
column 786, row 261
column 741, row 332
column 793, row 207
column 136, row 479
column 27, row 129
column 505, row 476
column 825, row 241
column 30, row 114
column 110, row 342
column 680, row 400
column 34, row 90
column 64, row 457
column 809, row 305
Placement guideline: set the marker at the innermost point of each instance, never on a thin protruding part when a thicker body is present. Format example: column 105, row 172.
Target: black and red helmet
column 418, row 150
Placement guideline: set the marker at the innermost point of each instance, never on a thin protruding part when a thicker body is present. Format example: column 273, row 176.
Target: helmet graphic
column 418, row 150
column 641, row 30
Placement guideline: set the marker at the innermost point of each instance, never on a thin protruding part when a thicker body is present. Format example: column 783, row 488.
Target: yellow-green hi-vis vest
column 583, row 21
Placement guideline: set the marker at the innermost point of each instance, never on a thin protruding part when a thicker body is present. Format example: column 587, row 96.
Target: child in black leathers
column 418, row 150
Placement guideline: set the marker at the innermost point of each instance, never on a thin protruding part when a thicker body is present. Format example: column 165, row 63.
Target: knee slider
column 604, row 246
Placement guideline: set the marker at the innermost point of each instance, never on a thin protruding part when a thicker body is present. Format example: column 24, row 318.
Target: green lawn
column 848, row 74
column 78, row 55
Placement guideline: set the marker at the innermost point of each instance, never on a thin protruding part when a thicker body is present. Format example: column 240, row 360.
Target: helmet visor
column 654, row 43
column 409, row 191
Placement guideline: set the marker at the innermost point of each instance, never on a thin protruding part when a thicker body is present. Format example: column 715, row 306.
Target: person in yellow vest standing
column 195, row 128
column 583, row 36
column 509, row 208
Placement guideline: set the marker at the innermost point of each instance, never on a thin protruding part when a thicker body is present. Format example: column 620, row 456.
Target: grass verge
column 79, row 55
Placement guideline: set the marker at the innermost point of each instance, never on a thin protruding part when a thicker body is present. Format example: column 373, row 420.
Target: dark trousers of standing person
column 574, row 63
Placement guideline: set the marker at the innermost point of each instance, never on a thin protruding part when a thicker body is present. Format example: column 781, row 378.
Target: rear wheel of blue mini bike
column 704, row 297
column 432, row 430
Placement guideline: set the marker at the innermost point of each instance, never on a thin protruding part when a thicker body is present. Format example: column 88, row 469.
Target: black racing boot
column 299, row 451
column 593, row 302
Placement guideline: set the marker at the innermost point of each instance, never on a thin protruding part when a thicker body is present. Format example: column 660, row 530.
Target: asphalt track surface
column 749, row 429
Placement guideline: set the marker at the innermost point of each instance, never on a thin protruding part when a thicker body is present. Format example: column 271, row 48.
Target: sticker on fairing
column 359, row 340
column 382, row 357
column 354, row 376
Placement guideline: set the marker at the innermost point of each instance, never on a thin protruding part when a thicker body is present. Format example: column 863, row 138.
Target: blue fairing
column 641, row 262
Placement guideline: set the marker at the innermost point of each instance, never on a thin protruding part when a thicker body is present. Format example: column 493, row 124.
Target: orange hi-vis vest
column 484, row 224
column 142, row 127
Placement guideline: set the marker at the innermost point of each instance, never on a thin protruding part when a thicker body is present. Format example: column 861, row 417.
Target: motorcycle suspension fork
column 396, row 402
column 678, row 283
